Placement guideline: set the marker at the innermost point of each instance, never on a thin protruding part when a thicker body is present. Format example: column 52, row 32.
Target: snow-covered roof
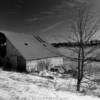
column 30, row 46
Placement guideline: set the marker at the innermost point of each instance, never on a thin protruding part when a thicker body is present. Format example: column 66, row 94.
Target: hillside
column 17, row 86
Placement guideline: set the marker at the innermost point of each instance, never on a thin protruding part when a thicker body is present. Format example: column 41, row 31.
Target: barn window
column 26, row 44
column 44, row 45
column 39, row 39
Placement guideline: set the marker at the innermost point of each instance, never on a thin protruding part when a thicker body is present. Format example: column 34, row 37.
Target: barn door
column 21, row 64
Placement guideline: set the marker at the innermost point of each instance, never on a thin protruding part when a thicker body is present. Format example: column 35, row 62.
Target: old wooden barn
column 25, row 51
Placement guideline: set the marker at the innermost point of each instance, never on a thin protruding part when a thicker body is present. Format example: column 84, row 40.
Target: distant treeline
column 76, row 44
column 95, row 59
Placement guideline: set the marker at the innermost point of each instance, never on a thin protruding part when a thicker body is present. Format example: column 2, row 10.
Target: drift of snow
column 20, row 86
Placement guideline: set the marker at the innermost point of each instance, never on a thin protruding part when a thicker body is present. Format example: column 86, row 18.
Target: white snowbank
column 16, row 86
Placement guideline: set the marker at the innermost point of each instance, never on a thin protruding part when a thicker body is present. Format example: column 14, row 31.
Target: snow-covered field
column 17, row 86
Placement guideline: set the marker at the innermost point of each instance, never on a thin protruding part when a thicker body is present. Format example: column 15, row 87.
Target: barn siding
column 15, row 58
column 11, row 50
column 32, row 64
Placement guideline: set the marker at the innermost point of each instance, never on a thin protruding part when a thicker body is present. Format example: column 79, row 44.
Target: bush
column 72, row 70
column 90, row 69
column 42, row 65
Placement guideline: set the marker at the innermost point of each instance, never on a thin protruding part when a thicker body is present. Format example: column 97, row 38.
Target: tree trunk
column 80, row 67
column 78, row 71
column 82, row 62
column 78, row 84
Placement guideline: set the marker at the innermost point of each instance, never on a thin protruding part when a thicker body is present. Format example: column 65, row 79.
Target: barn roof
column 30, row 46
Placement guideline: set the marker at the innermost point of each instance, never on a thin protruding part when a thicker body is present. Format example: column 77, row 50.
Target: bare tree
column 83, row 28
column 85, row 24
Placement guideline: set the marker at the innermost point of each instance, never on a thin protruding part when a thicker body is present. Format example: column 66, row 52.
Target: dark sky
column 25, row 8
column 15, row 14
column 33, row 15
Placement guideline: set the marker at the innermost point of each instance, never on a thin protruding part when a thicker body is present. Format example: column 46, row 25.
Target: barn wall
column 56, row 61
column 11, row 50
column 32, row 64
column 19, row 62
column 14, row 57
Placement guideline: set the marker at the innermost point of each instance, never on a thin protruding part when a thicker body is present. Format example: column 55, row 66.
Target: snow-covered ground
column 17, row 86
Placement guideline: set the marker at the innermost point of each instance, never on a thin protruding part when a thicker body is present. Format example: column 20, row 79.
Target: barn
column 26, row 51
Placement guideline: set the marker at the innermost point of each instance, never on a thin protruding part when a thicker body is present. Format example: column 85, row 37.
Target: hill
column 20, row 86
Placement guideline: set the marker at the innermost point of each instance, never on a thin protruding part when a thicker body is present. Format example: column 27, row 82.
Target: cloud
column 51, row 27
column 96, row 3
column 58, row 10
column 32, row 19
column 47, row 13
column 66, row 5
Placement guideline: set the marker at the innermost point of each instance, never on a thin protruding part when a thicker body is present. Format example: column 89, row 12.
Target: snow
column 21, row 86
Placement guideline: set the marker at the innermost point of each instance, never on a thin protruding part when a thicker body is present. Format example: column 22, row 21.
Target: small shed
column 26, row 51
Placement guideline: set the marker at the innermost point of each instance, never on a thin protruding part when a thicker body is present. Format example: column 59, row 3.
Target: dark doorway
column 2, row 48
column 2, row 45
